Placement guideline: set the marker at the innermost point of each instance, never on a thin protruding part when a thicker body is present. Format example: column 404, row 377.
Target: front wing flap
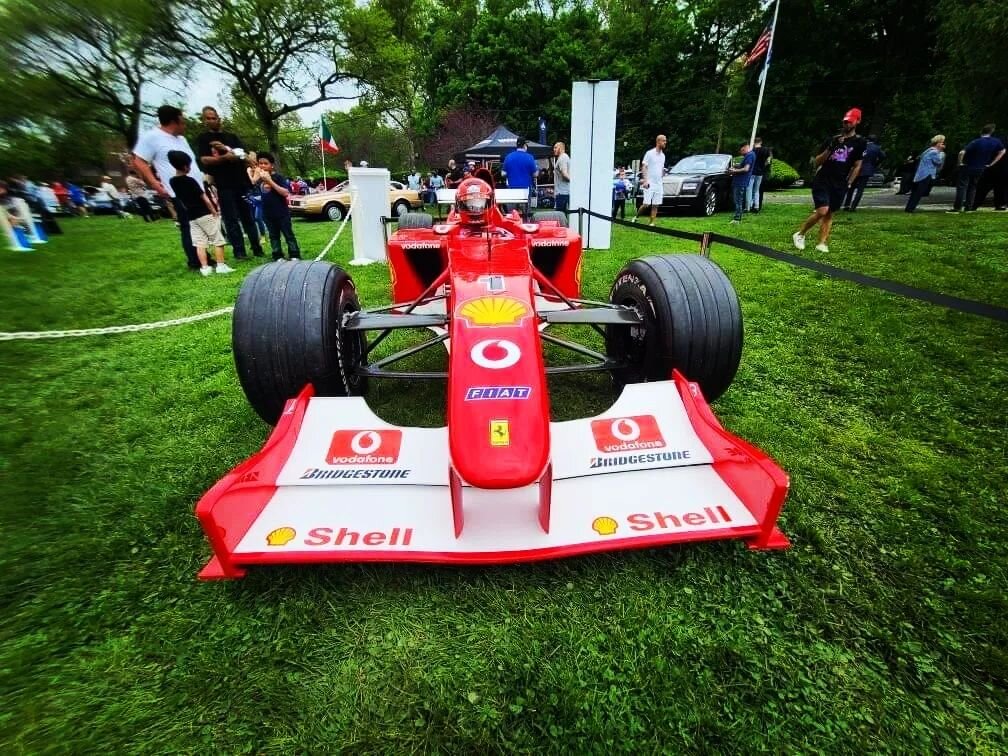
column 335, row 483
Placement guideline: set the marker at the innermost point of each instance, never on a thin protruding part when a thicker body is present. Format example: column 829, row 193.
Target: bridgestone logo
column 314, row 473
column 638, row 459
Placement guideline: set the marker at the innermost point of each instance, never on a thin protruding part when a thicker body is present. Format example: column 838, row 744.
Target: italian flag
column 326, row 139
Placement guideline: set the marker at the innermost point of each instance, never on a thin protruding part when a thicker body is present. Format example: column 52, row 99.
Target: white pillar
column 369, row 192
column 593, row 153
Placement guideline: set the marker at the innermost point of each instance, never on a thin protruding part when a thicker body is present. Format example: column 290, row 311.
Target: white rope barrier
column 73, row 332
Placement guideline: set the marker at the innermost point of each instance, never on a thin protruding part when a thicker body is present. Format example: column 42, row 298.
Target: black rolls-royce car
column 699, row 182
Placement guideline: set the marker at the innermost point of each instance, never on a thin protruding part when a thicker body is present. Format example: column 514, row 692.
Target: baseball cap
column 853, row 115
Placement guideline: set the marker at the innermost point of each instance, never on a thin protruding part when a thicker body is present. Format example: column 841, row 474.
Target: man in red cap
column 839, row 163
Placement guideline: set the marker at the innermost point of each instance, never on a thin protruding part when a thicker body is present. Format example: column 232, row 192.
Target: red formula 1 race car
column 500, row 482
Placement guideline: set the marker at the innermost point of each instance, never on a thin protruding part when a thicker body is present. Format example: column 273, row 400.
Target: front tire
column 708, row 202
column 334, row 211
column 287, row 332
column 400, row 208
column 416, row 220
column 692, row 323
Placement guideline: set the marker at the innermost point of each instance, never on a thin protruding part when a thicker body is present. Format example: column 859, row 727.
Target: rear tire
column 692, row 323
column 286, row 332
column 416, row 220
column 550, row 215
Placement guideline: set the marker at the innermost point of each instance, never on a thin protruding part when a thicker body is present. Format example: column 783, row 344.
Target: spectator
column 741, row 181
column 873, row 157
column 151, row 151
column 621, row 189
column 78, row 200
column 15, row 207
column 453, row 176
column 413, row 180
column 275, row 189
column 254, row 196
column 62, row 195
column 982, row 153
column 222, row 156
column 109, row 188
column 906, row 174
column 762, row 158
column 995, row 177
column 561, row 177
column 436, row 183
column 839, row 162
column 931, row 162
column 137, row 191
column 204, row 218
column 520, row 168
column 652, row 173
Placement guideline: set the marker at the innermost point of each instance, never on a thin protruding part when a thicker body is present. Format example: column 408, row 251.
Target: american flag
column 761, row 46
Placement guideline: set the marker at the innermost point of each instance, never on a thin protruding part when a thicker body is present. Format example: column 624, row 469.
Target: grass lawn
column 883, row 628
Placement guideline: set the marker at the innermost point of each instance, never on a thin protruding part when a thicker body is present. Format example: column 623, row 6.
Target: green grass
column 883, row 628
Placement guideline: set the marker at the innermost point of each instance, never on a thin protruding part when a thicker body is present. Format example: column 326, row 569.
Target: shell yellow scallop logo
column 494, row 311
column 604, row 526
column 280, row 536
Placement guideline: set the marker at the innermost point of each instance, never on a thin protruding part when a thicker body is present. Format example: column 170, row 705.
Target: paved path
column 940, row 199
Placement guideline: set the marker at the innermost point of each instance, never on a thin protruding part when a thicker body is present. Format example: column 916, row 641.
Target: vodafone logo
column 365, row 442
column 495, row 354
column 364, row 447
column 625, row 429
column 627, row 434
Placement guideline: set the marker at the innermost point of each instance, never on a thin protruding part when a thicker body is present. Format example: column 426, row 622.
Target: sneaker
column 952, row 212
column 734, row 221
column 821, row 247
column 206, row 270
column 799, row 240
column 224, row 268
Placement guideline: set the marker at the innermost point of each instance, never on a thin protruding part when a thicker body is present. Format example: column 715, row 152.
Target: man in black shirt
column 839, row 162
column 453, row 176
column 222, row 155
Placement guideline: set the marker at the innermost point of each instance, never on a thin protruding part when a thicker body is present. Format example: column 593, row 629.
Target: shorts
column 653, row 195
column 206, row 231
column 824, row 195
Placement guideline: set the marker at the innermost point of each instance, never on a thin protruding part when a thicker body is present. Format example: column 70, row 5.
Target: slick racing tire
column 692, row 323
column 550, row 215
column 286, row 332
column 416, row 220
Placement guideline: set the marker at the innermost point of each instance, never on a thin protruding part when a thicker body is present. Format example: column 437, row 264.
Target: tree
column 98, row 53
column 273, row 49
column 458, row 130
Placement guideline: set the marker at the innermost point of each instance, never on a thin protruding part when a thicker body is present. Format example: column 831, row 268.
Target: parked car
column 699, row 182
column 334, row 203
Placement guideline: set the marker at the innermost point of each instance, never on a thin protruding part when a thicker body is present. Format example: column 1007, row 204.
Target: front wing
column 334, row 483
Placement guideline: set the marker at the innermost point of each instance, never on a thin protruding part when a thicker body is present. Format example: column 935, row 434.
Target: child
column 275, row 189
column 204, row 223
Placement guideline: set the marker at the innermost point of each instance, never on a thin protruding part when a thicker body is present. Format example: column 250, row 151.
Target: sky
column 206, row 87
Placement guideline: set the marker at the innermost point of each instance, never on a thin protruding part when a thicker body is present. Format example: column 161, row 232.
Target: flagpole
column 322, row 147
column 766, row 69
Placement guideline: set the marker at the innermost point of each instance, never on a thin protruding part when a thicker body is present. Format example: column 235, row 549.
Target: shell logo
column 604, row 526
column 494, row 311
column 280, row 536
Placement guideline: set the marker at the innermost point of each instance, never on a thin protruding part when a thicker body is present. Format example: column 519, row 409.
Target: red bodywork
column 494, row 330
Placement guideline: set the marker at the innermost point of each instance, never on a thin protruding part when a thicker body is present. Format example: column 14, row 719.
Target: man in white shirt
column 652, row 171
column 150, row 154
